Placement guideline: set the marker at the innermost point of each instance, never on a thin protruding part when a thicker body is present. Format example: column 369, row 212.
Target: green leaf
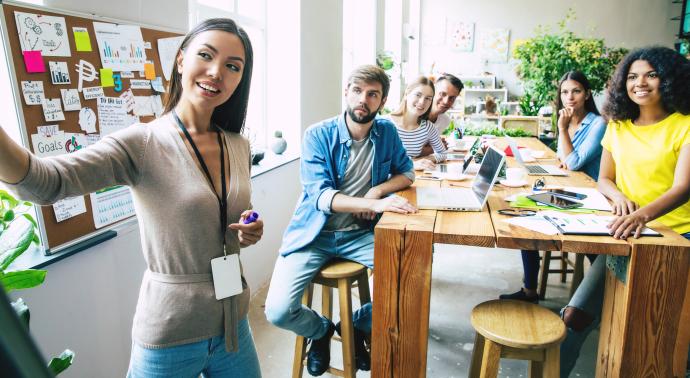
column 22, row 311
column 31, row 219
column 14, row 241
column 22, row 279
column 8, row 216
column 58, row 364
column 4, row 196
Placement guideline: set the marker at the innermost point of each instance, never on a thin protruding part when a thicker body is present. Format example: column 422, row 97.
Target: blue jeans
column 295, row 271
column 589, row 297
column 207, row 357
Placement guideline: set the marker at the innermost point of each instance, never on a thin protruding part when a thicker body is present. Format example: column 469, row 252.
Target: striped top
column 414, row 140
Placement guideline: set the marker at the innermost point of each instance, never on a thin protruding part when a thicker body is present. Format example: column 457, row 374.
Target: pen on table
column 251, row 218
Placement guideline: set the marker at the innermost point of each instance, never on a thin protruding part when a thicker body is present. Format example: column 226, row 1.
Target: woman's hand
column 422, row 164
column 622, row 205
column 248, row 234
column 564, row 116
column 626, row 225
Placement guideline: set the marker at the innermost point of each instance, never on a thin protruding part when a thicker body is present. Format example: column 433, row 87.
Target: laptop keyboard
column 536, row 169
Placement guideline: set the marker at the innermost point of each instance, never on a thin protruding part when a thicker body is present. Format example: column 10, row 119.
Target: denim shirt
column 325, row 153
column 587, row 148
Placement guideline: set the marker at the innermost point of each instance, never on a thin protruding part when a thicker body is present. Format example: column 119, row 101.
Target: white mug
column 455, row 169
column 516, row 174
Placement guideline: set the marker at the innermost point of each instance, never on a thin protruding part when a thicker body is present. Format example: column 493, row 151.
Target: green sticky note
column 107, row 77
column 81, row 39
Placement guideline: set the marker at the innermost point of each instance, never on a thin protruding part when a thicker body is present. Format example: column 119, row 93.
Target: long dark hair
column 674, row 75
column 578, row 76
column 231, row 114
column 420, row 82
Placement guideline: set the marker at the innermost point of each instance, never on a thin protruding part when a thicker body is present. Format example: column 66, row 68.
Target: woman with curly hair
column 411, row 119
column 648, row 106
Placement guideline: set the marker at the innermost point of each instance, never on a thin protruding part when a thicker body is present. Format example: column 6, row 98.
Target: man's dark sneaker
column 319, row 356
column 520, row 296
column 362, row 358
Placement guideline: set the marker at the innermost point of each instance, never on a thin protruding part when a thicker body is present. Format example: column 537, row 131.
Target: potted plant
column 17, row 234
column 543, row 59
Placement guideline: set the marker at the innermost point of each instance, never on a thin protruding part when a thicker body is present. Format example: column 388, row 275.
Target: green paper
column 82, row 40
column 107, row 78
column 526, row 203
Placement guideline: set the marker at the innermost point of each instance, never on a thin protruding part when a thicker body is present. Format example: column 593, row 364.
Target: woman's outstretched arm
column 14, row 159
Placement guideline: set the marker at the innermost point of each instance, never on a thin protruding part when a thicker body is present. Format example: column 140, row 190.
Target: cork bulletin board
column 106, row 74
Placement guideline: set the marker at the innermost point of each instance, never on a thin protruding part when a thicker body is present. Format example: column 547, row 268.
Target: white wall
column 166, row 13
column 621, row 23
column 321, row 56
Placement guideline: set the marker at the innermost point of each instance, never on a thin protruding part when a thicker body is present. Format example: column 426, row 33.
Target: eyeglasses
column 539, row 184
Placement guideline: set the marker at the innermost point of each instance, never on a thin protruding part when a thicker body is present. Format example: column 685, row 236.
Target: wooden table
column 643, row 333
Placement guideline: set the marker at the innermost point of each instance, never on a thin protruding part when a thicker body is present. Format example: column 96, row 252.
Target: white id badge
column 227, row 279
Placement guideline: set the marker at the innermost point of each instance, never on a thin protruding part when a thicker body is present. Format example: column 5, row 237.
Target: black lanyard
column 222, row 200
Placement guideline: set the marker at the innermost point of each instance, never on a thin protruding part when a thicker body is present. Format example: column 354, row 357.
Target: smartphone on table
column 554, row 200
column 565, row 193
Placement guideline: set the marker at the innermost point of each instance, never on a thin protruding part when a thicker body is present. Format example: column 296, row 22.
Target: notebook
column 585, row 224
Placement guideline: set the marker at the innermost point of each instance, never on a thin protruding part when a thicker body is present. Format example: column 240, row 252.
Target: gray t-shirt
column 355, row 183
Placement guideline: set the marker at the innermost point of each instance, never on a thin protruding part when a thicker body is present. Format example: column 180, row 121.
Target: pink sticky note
column 33, row 60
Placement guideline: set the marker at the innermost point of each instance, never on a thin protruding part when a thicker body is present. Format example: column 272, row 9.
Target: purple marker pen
column 252, row 217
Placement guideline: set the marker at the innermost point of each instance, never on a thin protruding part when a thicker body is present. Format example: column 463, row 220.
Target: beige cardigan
column 178, row 218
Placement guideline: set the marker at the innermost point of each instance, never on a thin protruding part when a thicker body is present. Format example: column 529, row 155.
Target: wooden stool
column 578, row 268
column 517, row 330
column 340, row 274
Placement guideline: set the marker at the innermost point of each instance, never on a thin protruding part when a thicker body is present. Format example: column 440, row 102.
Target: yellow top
column 646, row 158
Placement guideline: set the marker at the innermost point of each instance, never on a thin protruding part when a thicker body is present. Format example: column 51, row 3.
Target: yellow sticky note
column 149, row 71
column 107, row 78
column 81, row 39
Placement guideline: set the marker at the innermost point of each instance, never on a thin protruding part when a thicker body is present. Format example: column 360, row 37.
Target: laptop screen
column 516, row 150
column 488, row 171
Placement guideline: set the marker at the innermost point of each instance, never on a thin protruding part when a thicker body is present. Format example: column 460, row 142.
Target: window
column 251, row 16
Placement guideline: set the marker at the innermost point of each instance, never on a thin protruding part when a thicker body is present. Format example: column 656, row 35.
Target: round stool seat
column 339, row 268
column 518, row 324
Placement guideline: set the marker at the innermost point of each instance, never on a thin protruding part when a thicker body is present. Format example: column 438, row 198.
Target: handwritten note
column 68, row 208
column 91, row 93
column 112, row 114
column 140, row 84
column 70, row 97
column 33, row 92
column 52, row 110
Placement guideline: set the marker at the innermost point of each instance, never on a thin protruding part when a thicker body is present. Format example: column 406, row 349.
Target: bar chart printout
column 121, row 46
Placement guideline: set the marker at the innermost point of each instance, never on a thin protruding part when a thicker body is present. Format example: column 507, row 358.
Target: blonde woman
column 414, row 128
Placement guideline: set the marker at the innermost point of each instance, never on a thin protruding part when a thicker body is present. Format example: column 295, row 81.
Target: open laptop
column 465, row 199
column 534, row 169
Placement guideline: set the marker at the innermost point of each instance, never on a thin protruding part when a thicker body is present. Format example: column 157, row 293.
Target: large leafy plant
column 543, row 59
column 17, row 233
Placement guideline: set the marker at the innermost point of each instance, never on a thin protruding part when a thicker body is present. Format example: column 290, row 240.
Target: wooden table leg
column 402, row 292
column 641, row 319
